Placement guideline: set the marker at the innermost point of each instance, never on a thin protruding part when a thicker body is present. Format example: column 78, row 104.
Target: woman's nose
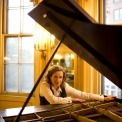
column 58, row 79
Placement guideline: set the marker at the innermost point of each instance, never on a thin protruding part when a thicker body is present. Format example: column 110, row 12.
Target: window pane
column 116, row 1
column 18, row 19
column 121, row 14
column 27, row 50
column 11, row 50
column 11, row 77
column 14, row 23
column 113, row 12
column 13, row 3
column 110, row 88
column 26, row 77
column 116, row 15
column 27, row 22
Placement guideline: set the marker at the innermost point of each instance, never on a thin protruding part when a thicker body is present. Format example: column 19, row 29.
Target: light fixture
column 41, row 38
column 52, row 41
column 42, row 50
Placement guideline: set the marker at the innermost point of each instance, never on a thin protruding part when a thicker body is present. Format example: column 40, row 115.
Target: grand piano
column 98, row 44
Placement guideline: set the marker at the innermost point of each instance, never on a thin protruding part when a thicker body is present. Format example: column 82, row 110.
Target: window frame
column 5, row 35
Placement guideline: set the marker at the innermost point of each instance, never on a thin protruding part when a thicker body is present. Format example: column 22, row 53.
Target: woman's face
column 56, row 79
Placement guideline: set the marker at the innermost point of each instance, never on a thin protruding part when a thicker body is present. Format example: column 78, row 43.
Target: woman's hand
column 109, row 98
column 77, row 100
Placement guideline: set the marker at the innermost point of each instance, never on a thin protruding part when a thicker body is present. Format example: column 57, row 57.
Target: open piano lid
column 99, row 45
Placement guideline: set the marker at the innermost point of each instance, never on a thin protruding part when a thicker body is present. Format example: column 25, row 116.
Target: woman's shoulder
column 44, row 83
column 66, row 85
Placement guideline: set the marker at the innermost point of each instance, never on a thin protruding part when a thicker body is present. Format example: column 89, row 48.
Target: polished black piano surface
column 98, row 44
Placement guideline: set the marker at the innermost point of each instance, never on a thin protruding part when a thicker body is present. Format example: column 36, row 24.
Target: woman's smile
column 56, row 79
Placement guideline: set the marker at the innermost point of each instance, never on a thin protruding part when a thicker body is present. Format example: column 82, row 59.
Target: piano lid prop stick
column 42, row 74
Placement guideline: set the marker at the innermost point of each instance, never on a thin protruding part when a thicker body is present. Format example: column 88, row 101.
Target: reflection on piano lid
column 100, row 45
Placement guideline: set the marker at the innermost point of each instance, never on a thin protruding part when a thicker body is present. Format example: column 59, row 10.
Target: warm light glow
column 58, row 56
column 44, row 15
column 52, row 39
column 72, row 56
column 6, row 58
column 15, row 111
column 41, row 38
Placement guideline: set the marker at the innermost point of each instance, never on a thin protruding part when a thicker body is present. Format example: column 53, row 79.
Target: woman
column 55, row 90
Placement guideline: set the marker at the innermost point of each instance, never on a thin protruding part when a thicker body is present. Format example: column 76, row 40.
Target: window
column 121, row 14
column 19, row 46
column 113, row 12
column 112, row 15
column 118, row 14
column 110, row 89
column 117, row 1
